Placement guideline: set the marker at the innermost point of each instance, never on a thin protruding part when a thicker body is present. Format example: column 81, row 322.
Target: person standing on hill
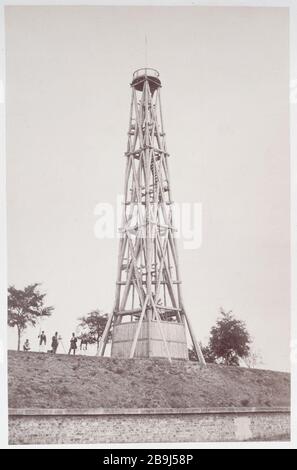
column 42, row 342
column 73, row 344
column 55, row 343
column 83, row 343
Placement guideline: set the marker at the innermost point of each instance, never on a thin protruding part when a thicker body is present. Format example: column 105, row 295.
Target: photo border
column 292, row 6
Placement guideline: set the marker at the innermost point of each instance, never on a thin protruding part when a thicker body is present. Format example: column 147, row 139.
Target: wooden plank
column 133, row 346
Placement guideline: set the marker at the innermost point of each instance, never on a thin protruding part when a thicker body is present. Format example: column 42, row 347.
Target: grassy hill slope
column 39, row 380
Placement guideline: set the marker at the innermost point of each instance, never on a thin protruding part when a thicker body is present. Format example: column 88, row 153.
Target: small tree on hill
column 229, row 339
column 26, row 307
column 93, row 325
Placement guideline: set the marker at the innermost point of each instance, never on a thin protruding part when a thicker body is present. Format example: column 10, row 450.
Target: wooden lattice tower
column 149, row 318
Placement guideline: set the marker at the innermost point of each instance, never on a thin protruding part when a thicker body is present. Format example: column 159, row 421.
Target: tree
column 26, row 307
column 93, row 325
column 229, row 339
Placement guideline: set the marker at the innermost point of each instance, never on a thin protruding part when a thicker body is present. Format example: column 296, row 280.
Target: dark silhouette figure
column 55, row 343
column 73, row 344
column 42, row 342
column 83, row 343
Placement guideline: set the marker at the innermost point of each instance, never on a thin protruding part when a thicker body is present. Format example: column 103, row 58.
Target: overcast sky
column 224, row 74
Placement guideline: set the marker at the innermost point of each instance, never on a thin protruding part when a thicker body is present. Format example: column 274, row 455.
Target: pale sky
column 225, row 76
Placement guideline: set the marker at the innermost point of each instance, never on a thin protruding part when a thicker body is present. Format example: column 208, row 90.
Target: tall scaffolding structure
column 149, row 317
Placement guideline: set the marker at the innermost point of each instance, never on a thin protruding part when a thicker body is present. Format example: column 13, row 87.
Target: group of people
column 55, row 343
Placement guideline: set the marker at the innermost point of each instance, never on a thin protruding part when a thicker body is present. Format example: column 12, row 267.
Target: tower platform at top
column 141, row 75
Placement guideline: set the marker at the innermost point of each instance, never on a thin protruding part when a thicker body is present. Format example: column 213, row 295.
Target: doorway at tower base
column 150, row 342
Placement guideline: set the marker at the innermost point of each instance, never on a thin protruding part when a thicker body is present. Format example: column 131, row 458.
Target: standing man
column 42, row 342
column 73, row 345
column 55, row 343
column 83, row 342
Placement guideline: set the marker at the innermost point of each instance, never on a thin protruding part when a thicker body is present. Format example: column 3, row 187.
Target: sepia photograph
column 148, row 224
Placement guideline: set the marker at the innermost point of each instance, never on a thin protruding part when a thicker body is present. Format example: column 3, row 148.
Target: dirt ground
column 39, row 380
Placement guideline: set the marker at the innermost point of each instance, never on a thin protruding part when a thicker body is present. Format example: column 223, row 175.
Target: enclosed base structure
column 150, row 342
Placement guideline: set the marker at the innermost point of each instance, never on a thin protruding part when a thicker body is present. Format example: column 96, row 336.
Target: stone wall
column 40, row 426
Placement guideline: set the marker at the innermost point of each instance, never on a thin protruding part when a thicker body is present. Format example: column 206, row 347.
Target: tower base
column 150, row 342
